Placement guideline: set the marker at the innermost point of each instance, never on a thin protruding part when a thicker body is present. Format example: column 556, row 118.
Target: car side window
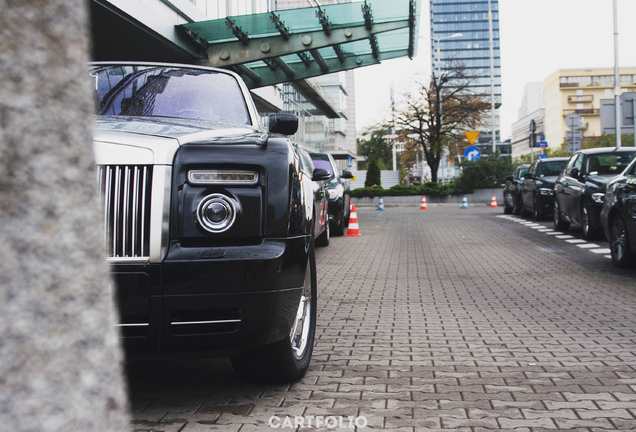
column 306, row 163
column 632, row 170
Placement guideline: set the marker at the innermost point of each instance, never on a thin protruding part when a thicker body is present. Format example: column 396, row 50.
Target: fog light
column 216, row 213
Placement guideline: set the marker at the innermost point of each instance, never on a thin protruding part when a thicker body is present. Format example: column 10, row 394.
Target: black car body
column 339, row 192
column 618, row 216
column 537, row 188
column 580, row 189
column 512, row 190
column 210, row 219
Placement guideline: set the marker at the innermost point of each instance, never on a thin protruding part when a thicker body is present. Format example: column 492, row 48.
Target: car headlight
column 216, row 213
column 598, row 197
column 545, row 191
column 223, row 177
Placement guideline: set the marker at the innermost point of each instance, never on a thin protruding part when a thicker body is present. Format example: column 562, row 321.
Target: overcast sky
column 537, row 38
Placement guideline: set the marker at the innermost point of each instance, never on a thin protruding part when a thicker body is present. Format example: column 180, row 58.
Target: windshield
column 610, row 163
column 552, row 168
column 169, row 92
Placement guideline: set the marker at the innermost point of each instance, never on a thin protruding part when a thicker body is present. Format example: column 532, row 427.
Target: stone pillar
column 60, row 359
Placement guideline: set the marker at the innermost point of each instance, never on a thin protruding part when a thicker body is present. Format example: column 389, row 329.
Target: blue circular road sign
column 472, row 153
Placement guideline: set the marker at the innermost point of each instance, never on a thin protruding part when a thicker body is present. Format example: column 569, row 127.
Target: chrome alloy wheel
column 299, row 335
column 619, row 242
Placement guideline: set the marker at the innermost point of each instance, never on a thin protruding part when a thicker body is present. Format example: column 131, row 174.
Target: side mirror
column 574, row 172
column 528, row 176
column 320, row 175
column 283, row 123
column 346, row 174
column 510, row 178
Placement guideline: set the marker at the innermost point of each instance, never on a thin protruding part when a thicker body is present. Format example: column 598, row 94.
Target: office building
column 580, row 91
column 461, row 31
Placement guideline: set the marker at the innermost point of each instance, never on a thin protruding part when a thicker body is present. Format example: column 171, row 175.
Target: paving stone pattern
column 424, row 325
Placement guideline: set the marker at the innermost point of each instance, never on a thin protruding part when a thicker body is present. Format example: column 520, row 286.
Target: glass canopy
column 294, row 44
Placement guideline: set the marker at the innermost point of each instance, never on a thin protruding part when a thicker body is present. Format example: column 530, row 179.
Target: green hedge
column 430, row 189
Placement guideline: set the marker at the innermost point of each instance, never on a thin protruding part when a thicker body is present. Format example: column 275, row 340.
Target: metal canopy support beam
column 235, row 52
column 321, row 62
column 268, row 76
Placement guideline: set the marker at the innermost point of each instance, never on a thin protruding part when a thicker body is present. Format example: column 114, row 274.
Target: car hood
column 548, row 181
column 152, row 141
column 599, row 181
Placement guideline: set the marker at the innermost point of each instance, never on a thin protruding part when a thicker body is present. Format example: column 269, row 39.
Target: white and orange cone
column 493, row 202
column 354, row 230
column 423, row 206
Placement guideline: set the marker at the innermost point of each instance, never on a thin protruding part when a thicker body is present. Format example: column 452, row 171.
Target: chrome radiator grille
column 125, row 194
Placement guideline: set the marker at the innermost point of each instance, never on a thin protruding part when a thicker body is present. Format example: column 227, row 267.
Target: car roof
column 607, row 150
column 553, row 159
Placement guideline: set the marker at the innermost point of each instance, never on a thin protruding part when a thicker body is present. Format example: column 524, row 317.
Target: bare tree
column 437, row 114
column 60, row 367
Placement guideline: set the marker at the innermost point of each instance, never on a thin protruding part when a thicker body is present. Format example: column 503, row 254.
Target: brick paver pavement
column 433, row 320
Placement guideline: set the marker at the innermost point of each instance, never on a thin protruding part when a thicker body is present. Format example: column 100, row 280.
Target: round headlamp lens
column 216, row 213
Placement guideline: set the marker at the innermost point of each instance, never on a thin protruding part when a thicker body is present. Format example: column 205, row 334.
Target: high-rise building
column 460, row 36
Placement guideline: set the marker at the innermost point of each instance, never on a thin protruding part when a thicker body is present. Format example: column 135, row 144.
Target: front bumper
column 215, row 301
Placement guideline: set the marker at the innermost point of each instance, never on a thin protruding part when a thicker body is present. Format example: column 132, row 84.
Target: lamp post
column 438, row 39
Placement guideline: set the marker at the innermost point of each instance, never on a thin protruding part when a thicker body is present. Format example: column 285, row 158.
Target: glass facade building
column 470, row 18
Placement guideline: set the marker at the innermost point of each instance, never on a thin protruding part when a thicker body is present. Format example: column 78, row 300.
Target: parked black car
column 537, row 194
column 512, row 191
column 210, row 218
column 339, row 192
column 580, row 189
column 321, row 194
column 618, row 216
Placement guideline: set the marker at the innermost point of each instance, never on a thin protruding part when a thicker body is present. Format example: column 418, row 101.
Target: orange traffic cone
column 354, row 230
column 493, row 202
column 423, row 206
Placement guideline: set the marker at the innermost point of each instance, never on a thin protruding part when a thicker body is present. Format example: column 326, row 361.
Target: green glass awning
column 294, row 44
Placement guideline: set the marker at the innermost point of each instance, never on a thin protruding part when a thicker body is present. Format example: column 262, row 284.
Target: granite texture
column 60, row 359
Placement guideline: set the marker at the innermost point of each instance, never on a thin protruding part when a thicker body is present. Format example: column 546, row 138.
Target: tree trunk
column 61, row 359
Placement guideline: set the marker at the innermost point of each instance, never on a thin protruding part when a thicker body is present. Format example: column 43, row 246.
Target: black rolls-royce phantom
column 209, row 218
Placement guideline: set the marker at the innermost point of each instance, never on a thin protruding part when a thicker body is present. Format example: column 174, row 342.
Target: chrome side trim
column 228, row 321
column 133, row 325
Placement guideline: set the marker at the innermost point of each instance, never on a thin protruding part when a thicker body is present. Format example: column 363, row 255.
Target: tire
column 622, row 256
column 589, row 233
column 338, row 226
column 536, row 214
column 287, row 360
column 323, row 239
column 524, row 210
column 347, row 213
column 507, row 209
column 516, row 208
column 559, row 224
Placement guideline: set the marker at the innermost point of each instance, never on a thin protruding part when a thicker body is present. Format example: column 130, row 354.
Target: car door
column 571, row 189
column 527, row 187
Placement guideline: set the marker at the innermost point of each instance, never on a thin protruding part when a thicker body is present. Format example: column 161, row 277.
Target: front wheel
column 559, row 224
column 619, row 242
column 338, row 227
column 286, row 360
column 536, row 213
column 323, row 239
column 589, row 233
